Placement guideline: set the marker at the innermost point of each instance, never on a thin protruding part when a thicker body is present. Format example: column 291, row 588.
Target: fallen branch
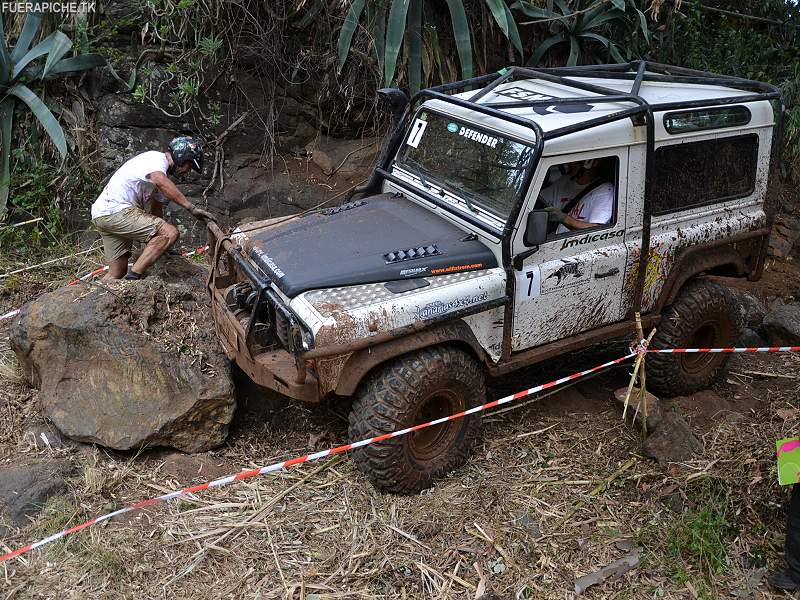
column 48, row 262
column 13, row 225
column 599, row 488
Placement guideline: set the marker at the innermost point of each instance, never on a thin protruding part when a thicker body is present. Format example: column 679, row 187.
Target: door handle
column 609, row 273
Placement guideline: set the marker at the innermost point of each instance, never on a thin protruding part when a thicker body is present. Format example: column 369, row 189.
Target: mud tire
column 416, row 388
column 702, row 316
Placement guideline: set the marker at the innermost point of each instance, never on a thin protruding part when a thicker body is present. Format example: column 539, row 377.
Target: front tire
column 413, row 389
column 702, row 316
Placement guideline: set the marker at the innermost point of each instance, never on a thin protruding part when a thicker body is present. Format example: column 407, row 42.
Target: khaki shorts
column 121, row 229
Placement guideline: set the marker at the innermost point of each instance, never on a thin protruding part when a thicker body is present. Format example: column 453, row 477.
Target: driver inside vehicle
column 579, row 195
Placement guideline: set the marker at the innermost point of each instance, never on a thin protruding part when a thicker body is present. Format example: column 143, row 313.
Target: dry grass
column 707, row 528
column 320, row 531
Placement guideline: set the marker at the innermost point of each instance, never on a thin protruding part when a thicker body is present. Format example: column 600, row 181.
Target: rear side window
column 706, row 118
column 701, row 173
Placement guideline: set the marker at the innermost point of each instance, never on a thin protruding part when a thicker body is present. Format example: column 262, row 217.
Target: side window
column 580, row 196
column 700, row 173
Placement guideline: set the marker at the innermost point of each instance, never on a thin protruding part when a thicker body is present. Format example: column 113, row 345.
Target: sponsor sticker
column 568, row 274
column 270, row 263
column 477, row 136
column 414, row 271
column 437, row 308
column 589, row 238
column 456, row 268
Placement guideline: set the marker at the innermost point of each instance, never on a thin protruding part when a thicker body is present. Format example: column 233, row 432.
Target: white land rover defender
column 502, row 226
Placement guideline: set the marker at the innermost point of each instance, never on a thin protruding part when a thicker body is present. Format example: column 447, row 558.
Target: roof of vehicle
column 616, row 133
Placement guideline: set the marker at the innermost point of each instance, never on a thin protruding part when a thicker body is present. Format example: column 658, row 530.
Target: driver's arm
column 571, row 223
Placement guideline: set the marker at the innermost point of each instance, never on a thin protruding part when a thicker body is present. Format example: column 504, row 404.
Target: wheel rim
column 429, row 443
column 705, row 336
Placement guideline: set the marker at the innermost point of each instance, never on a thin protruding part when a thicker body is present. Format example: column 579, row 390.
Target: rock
column 673, row 440
column 125, row 366
column 784, row 236
column 782, row 325
column 750, row 339
column 344, row 157
column 614, row 570
column 24, row 489
column 652, row 404
column 751, row 309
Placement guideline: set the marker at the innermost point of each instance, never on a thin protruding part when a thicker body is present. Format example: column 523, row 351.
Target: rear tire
column 413, row 389
column 702, row 316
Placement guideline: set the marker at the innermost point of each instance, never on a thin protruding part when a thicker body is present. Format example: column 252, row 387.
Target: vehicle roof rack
column 642, row 112
column 637, row 72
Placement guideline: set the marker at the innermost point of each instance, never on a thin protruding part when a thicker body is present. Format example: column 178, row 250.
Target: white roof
column 617, row 133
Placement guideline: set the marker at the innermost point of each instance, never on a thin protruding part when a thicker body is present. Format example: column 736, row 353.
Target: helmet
column 185, row 148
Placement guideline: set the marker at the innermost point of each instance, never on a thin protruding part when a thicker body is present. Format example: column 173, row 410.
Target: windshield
column 483, row 168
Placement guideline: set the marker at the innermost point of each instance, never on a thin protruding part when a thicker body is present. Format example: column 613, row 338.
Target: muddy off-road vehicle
column 511, row 218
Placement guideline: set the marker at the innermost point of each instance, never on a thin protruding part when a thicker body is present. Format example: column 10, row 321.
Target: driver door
column 573, row 282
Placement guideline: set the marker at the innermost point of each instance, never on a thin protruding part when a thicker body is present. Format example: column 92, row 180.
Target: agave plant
column 582, row 25
column 405, row 22
column 22, row 66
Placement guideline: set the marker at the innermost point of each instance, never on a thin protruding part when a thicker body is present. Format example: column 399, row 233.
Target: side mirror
column 536, row 228
column 397, row 101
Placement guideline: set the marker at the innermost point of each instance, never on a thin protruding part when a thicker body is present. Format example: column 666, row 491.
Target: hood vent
column 341, row 207
column 411, row 254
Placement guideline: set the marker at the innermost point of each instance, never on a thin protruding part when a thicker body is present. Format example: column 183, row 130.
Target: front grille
column 281, row 328
column 270, row 322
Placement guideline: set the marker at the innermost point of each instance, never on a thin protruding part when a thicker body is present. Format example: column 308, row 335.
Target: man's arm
column 558, row 216
column 169, row 189
column 173, row 194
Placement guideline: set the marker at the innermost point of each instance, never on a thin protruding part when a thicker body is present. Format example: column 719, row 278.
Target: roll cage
column 641, row 113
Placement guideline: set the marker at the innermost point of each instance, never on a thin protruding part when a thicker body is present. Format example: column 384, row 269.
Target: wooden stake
column 638, row 370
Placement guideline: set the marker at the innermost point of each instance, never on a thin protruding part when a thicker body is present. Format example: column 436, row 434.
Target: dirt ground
column 544, row 498
column 518, row 521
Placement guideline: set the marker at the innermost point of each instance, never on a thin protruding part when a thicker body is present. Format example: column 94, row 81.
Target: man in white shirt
column 595, row 204
column 119, row 211
column 560, row 186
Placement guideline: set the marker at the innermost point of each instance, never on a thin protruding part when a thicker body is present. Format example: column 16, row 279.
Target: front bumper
column 275, row 368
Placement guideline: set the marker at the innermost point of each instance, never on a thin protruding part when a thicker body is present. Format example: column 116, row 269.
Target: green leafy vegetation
column 584, row 26
column 694, row 545
column 756, row 40
column 19, row 68
column 413, row 24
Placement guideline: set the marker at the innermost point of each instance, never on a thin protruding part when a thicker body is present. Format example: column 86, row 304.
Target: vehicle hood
column 379, row 239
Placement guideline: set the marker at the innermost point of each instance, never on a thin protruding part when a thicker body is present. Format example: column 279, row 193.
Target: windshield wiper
column 416, row 169
column 464, row 192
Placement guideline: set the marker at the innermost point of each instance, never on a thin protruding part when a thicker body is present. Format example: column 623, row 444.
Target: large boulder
column 782, row 325
column 129, row 364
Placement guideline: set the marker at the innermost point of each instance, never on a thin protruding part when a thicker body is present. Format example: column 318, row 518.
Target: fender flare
column 363, row 361
column 694, row 262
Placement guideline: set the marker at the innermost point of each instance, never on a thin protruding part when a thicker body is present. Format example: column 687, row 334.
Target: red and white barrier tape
column 95, row 273
column 723, row 350
column 308, row 458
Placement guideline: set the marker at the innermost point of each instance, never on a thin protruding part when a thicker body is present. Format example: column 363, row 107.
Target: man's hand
column 556, row 214
column 200, row 213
